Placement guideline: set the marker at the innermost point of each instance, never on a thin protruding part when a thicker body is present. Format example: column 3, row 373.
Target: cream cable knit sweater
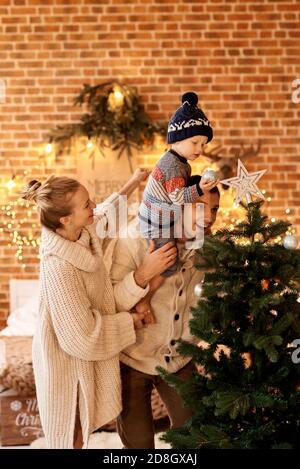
column 78, row 338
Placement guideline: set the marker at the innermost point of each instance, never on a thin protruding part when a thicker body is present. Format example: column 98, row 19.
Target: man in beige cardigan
column 156, row 343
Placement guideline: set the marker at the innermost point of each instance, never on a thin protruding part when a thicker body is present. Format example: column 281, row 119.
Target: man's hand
column 144, row 307
column 138, row 319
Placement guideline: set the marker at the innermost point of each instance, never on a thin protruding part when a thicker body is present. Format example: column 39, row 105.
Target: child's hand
column 206, row 186
column 140, row 175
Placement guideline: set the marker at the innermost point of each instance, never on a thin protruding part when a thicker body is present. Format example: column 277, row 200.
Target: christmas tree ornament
column 260, row 375
column 245, row 184
column 209, row 175
column 265, row 284
column 290, row 242
column 247, row 359
column 198, row 289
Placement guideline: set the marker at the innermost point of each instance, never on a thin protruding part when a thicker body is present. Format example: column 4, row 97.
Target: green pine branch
column 123, row 128
column 247, row 395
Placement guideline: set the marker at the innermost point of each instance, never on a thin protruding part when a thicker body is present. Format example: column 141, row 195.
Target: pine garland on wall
column 115, row 118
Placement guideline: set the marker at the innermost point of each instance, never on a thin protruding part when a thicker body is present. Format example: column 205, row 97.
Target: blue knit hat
column 188, row 120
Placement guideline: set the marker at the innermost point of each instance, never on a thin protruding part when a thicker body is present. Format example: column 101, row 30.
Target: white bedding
column 22, row 320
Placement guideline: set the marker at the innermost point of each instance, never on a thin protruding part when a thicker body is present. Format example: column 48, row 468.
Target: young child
column 166, row 190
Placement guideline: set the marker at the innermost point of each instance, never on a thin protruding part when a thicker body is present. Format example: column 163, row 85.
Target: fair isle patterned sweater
column 166, row 191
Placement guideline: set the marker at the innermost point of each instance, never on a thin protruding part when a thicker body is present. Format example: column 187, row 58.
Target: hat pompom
column 191, row 98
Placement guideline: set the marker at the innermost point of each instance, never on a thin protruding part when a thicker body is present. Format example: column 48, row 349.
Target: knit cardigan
column 78, row 339
column 171, row 304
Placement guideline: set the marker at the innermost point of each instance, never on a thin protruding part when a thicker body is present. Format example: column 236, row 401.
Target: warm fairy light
column 287, row 210
column 13, row 216
column 48, row 148
column 11, row 184
column 89, row 144
column 273, row 220
column 269, row 199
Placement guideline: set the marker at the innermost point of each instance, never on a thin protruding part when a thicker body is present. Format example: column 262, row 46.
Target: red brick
column 239, row 56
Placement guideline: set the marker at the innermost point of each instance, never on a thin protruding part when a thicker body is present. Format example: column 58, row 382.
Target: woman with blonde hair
column 79, row 334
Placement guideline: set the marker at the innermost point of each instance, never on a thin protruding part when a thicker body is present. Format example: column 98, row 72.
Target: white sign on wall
column 103, row 174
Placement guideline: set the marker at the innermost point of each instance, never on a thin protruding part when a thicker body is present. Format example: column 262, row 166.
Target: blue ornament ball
column 209, row 175
column 290, row 242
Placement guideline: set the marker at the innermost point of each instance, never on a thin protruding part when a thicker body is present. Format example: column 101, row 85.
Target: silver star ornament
column 245, row 184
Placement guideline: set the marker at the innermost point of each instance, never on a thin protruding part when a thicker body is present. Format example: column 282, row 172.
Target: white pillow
column 22, row 321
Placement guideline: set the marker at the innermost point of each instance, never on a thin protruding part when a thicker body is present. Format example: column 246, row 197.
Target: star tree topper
column 245, row 183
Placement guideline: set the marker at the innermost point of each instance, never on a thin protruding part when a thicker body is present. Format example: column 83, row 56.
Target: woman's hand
column 155, row 262
column 140, row 175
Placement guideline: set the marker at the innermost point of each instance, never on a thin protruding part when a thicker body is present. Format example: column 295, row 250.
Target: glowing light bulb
column 10, row 184
column 115, row 99
column 48, row 148
column 118, row 96
column 287, row 210
column 89, row 144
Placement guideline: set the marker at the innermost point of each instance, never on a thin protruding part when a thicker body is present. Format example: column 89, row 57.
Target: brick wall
column 240, row 56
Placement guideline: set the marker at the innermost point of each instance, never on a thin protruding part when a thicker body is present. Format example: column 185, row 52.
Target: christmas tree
column 246, row 393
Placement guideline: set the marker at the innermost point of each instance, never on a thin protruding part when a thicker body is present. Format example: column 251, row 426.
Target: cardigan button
column 176, row 317
column 167, row 358
column 173, row 342
column 183, row 270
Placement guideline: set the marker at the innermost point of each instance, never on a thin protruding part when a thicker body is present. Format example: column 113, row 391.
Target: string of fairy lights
column 19, row 225
column 19, row 220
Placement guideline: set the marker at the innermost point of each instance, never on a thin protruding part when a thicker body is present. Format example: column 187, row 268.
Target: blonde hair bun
column 30, row 191
column 53, row 198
